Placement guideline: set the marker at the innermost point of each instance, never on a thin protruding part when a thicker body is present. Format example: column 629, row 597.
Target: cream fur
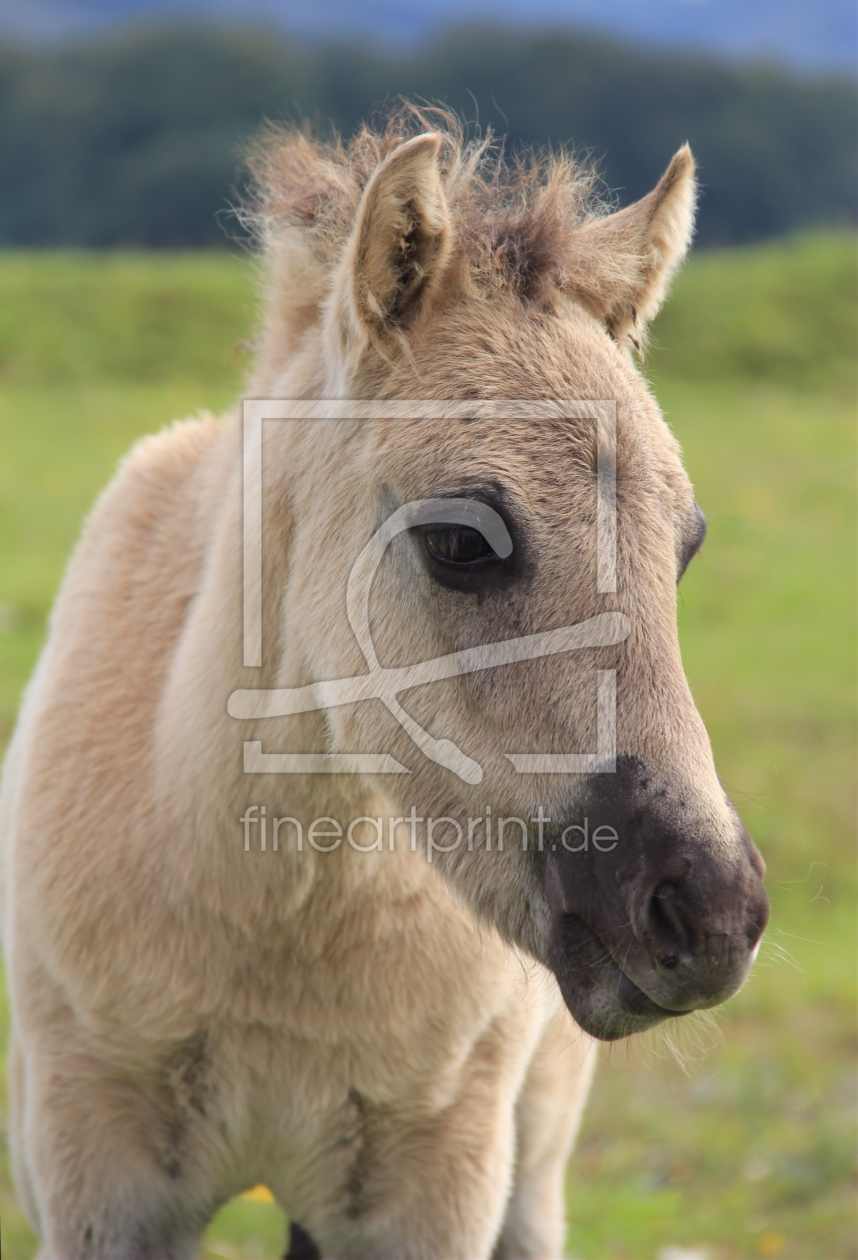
column 375, row 1038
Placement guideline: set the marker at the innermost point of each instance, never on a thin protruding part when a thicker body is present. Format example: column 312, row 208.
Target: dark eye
column 694, row 542
column 458, row 545
column 460, row 557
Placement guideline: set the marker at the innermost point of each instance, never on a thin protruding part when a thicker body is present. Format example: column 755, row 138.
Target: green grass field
column 738, row 1141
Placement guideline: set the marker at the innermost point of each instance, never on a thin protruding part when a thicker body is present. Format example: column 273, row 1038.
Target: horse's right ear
column 401, row 239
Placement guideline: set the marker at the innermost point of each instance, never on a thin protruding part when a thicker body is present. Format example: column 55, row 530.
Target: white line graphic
column 385, row 684
column 604, row 759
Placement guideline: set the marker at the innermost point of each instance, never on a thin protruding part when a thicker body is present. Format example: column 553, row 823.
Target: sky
column 811, row 35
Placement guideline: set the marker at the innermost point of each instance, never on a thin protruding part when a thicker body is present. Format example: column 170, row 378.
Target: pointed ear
column 621, row 265
column 401, row 240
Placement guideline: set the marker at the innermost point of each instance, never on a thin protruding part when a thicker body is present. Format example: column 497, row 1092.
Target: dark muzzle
column 650, row 916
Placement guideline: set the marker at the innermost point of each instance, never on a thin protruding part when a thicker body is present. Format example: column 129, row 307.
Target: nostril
column 665, row 925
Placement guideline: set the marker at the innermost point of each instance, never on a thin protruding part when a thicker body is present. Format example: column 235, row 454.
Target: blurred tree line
column 137, row 139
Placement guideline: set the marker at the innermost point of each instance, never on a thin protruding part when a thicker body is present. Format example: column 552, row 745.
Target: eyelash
column 459, row 545
column 480, row 568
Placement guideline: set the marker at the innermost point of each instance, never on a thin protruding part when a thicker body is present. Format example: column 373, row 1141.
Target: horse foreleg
column 548, row 1113
column 105, row 1172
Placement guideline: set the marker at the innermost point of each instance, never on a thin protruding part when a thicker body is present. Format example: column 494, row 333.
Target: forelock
column 513, row 216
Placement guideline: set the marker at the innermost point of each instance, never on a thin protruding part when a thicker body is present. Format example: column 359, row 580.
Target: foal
column 359, row 788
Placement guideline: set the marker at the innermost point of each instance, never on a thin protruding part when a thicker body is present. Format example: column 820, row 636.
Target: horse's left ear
column 621, row 265
column 401, row 238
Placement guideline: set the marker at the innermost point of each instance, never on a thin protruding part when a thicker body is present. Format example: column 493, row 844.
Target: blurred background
column 126, row 289
column 121, row 128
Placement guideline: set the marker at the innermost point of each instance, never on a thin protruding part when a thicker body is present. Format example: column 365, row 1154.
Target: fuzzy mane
column 513, row 220
column 528, row 224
